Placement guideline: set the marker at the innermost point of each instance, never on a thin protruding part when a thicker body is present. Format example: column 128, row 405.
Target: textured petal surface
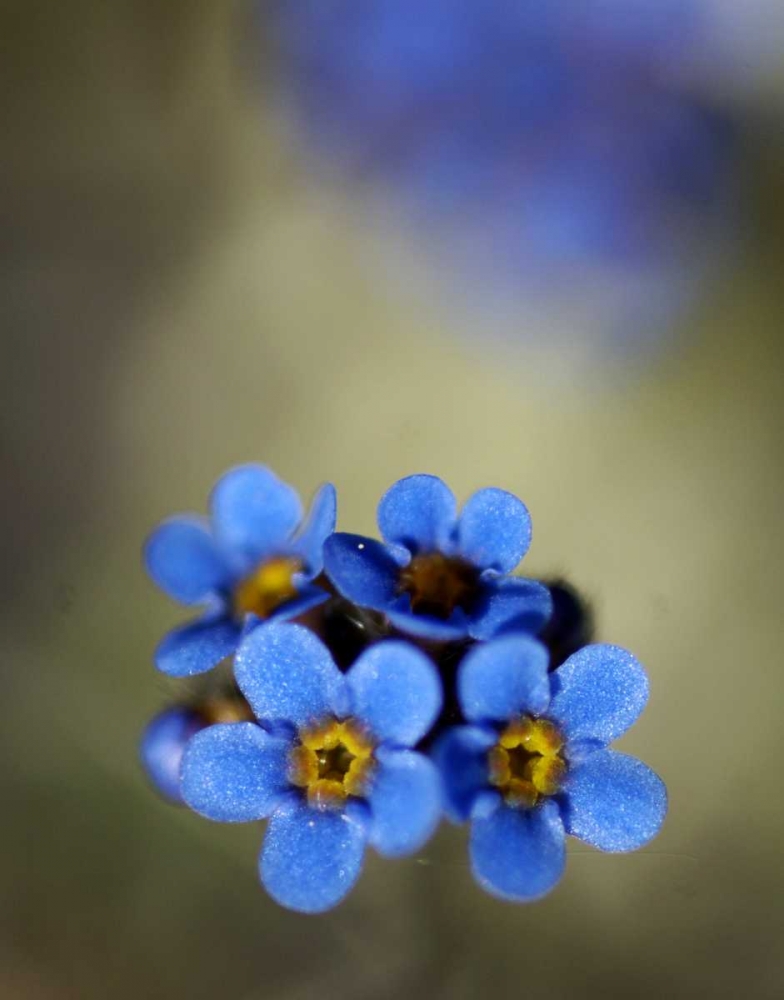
column 426, row 626
column 253, row 512
column 234, row 772
column 311, row 859
column 288, row 675
column 518, row 854
column 613, row 801
column 504, row 678
column 318, row 526
column 418, row 512
column 309, row 596
column 461, row 758
column 197, row 647
column 598, row 693
column 405, row 802
column 494, row 530
column 362, row 570
column 396, row 691
column 162, row 746
column 182, row 558
column 513, row 604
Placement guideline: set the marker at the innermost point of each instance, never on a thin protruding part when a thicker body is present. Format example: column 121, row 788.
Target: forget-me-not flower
column 165, row 737
column 162, row 745
column 533, row 765
column 331, row 762
column 255, row 559
column 438, row 575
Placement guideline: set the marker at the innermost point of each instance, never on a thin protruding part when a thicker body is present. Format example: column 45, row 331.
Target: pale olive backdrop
column 176, row 297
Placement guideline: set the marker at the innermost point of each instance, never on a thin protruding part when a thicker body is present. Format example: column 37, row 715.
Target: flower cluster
column 353, row 691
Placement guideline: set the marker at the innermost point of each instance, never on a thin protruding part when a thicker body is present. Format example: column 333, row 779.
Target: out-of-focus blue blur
column 554, row 159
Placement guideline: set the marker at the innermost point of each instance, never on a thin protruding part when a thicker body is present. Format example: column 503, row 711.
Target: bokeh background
column 184, row 287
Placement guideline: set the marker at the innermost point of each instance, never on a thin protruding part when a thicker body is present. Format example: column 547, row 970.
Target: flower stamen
column 437, row 584
column 267, row 587
column 526, row 764
column 332, row 762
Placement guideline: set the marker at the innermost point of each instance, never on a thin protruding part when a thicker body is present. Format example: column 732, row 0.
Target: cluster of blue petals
column 429, row 725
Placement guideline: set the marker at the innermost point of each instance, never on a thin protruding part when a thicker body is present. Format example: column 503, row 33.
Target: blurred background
column 525, row 245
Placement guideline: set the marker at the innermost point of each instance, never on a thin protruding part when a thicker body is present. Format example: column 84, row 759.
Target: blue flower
column 533, row 764
column 254, row 560
column 330, row 764
column 440, row 576
column 163, row 744
column 165, row 737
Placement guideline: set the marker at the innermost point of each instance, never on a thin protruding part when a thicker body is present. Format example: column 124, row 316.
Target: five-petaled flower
column 533, row 764
column 438, row 575
column 331, row 762
column 255, row 560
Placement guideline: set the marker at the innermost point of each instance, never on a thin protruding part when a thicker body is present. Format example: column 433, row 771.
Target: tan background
column 177, row 298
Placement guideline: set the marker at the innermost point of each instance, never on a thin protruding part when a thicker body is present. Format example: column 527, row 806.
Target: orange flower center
column 437, row 584
column 332, row 761
column 267, row 587
column 526, row 763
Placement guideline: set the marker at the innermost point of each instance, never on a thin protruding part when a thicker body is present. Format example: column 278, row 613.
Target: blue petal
column 253, row 512
column 518, row 854
column 309, row 596
column 504, row 678
column 316, row 529
column 613, row 801
column 405, row 802
column 287, row 675
column 182, row 558
column 598, row 693
column 461, row 758
column 427, row 626
column 396, row 691
column 494, row 530
column 234, row 772
column 362, row 569
column 197, row 647
column 418, row 512
column 511, row 605
column 162, row 746
column 311, row 859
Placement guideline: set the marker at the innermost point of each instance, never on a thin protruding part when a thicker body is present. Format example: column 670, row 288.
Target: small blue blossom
column 254, row 560
column 532, row 764
column 330, row 763
column 438, row 575
column 163, row 744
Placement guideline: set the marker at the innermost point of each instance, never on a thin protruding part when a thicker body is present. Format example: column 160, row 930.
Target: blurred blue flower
column 533, row 764
column 163, row 744
column 439, row 576
column 330, row 764
column 540, row 152
column 254, row 560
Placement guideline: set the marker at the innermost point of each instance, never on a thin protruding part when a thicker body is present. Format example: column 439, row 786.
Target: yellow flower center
column 332, row 761
column 268, row 586
column 437, row 584
column 526, row 763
